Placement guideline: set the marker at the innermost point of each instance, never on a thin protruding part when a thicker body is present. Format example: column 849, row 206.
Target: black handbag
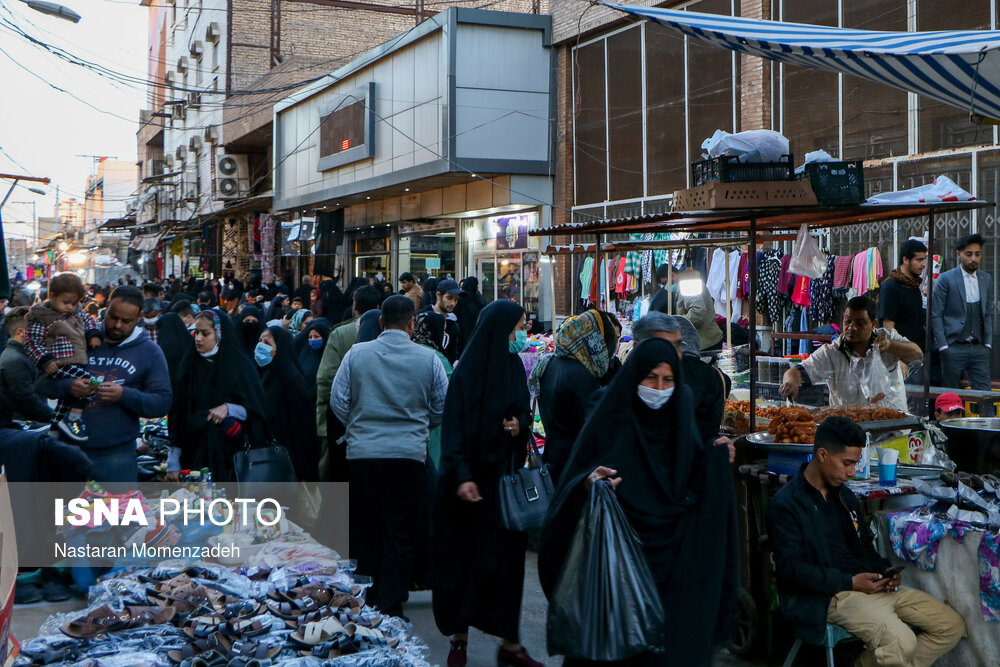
column 269, row 463
column 525, row 494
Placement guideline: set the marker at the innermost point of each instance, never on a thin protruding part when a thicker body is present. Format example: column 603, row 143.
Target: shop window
column 666, row 163
column 710, row 85
column 625, row 114
column 590, row 126
column 875, row 115
column 811, row 98
column 940, row 125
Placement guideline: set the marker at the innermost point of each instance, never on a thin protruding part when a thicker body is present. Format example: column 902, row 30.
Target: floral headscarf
column 581, row 338
column 295, row 325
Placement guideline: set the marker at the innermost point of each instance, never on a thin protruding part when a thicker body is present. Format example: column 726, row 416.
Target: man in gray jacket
column 389, row 393
column 962, row 317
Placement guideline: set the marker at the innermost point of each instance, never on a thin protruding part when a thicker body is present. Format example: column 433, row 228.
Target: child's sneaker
column 74, row 428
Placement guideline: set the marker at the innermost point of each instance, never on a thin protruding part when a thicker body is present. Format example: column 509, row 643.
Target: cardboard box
column 757, row 194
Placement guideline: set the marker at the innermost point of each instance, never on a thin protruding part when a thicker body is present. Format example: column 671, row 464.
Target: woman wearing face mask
column 249, row 325
column 218, row 401
column 478, row 565
column 310, row 344
column 288, row 404
column 676, row 491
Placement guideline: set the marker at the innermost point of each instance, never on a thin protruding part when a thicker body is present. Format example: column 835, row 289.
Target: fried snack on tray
column 763, row 411
column 858, row 413
column 793, row 426
column 737, row 422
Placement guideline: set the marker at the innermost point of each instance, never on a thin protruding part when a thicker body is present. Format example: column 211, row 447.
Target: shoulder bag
column 269, row 463
column 525, row 494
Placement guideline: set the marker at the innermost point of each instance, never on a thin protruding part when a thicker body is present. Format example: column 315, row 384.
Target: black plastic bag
column 605, row 605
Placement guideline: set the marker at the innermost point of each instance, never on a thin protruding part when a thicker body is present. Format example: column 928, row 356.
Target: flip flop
column 369, row 637
column 101, row 620
column 202, row 627
column 215, row 643
column 291, row 610
column 310, row 617
column 247, row 651
column 319, row 632
column 242, row 609
column 245, row 628
column 137, row 616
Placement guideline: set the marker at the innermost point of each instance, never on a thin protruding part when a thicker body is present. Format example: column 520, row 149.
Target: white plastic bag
column 749, row 146
column 807, row 259
column 815, row 156
column 943, row 189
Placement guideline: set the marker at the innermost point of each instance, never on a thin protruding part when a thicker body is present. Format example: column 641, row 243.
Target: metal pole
column 729, row 307
column 597, row 261
column 752, row 265
column 670, row 283
column 929, row 333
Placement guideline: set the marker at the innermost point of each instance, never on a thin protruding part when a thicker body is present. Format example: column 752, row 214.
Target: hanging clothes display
column 821, row 294
column 716, row 282
column 769, row 302
column 842, row 272
column 735, row 257
column 800, row 293
column 586, row 276
column 786, row 279
column 805, row 346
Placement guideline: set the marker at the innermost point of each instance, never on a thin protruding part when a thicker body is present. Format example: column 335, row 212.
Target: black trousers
column 385, row 501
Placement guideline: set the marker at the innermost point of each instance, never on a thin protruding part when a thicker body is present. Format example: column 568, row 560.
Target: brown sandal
column 101, row 620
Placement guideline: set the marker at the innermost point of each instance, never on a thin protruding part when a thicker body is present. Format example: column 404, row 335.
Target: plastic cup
column 887, row 460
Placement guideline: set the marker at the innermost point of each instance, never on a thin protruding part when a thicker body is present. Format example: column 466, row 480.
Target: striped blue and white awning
column 956, row 67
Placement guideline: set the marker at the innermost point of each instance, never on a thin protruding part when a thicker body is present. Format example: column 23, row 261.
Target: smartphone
column 892, row 572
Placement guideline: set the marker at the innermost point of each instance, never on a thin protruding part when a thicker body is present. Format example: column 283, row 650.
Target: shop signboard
column 512, row 231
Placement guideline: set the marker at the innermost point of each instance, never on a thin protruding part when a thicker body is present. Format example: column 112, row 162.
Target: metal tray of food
column 891, row 424
column 765, row 441
column 914, row 470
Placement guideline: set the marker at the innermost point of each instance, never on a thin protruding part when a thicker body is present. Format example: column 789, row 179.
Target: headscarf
column 428, row 329
column 249, row 332
column 174, row 339
column 581, row 338
column 369, row 326
column 296, row 323
column 690, row 340
column 430, row 292
column 291, row 415
column 277, row 309
column 229, row 376
column 676, row 493
column 467, row 310
column 332, row 301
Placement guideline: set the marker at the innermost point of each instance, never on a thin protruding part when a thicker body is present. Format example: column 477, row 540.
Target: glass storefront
column 506, row 259
column 371, row 258
column 427, row 250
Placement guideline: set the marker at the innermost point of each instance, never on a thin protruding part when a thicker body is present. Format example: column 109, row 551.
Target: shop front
column 436, row 148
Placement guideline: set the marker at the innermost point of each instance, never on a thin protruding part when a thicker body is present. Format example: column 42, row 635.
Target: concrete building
column 433, row 153
column 221, row 65
column 71, row 212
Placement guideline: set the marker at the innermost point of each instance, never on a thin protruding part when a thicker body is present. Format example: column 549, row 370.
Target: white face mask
column 151, row 320
column 212, row 352
column 654, row 398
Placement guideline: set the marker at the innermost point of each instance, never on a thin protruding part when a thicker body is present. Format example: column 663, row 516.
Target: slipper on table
column 319, row 632
column 215, row 643
column 137, row 616
column 365, row 637
column 245, row 628
column 101, row 620
column 202, row 627
column 310, row 617
column 242, row 609
column 291, row 610
column 242, row 652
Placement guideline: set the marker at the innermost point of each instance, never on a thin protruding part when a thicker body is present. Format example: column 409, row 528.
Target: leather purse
column 269, row 463
column 525, row 494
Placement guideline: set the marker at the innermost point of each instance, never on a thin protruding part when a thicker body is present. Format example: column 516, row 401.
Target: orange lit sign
column 345, row 144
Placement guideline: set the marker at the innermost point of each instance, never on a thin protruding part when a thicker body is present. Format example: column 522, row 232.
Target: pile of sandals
column 325, row 621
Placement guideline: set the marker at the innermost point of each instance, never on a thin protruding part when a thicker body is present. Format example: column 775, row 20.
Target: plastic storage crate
column 837, row 183
column 729, row 169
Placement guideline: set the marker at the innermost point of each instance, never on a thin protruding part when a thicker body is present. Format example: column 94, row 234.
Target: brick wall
column 755, row 76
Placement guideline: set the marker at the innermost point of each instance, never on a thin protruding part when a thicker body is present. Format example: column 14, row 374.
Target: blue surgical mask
column 262, row 354
column 519, row 343
column 316, row 343
column 654, row 398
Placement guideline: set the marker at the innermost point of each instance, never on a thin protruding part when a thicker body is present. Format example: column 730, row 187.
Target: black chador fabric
column 369, row 326
column 309, row 358
column 676, row 493
column 478, row 566
column 229, row 376
column 250, row 331
column 291, row 415
column 332, row 301
column 175, row 340
column 276, row 310
column 470, row 304
column 430, row 292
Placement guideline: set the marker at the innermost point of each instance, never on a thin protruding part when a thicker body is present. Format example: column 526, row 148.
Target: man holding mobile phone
column 829, row 572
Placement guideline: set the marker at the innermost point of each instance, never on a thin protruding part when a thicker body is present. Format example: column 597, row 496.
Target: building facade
column 433, row 154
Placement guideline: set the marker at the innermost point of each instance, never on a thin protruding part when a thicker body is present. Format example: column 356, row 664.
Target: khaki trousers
column 882, row 621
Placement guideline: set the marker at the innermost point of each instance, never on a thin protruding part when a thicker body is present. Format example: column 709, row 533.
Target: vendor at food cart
column 843, row 362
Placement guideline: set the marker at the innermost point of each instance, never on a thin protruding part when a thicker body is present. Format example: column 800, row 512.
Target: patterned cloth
column 989, row 577
column 153, row 332
column 769, row 302
column 580, row 338
column 842, row 272
column 63, row 407
column 821, row 294
column 296, row 324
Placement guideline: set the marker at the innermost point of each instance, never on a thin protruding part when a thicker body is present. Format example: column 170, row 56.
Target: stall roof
column 697, row 241
column 767, row 219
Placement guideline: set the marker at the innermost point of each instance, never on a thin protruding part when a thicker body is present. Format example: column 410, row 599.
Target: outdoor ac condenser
column 232, row 176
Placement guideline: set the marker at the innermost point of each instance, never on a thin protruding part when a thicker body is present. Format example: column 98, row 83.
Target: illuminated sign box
column 347, row 129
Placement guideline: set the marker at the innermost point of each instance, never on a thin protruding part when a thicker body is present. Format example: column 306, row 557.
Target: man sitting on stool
column 829, row 572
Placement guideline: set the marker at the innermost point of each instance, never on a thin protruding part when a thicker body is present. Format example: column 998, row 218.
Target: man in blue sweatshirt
column 134, row 383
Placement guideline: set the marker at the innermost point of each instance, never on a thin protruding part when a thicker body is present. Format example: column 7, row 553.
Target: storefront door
column 486, row 271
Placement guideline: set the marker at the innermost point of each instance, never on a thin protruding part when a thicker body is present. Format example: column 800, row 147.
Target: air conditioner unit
column 232, row 176
column 169, row 159
column 194, row 143
column 213, row 32
column 194, row 100
column 197, row 48
column 182, row 64
column 181, row 152
column 212, row 134
column 189, row 184
column 179, row 111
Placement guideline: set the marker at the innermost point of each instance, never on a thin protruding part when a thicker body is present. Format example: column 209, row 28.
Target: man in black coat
column 18, row 374
column 829, row 572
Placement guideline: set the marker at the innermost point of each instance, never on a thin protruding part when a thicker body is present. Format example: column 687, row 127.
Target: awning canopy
column 957, row 67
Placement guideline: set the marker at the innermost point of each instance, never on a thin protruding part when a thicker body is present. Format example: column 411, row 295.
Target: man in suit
column 962, row 317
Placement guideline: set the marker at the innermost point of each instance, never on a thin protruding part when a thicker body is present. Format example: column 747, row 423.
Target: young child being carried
column 56, row 340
